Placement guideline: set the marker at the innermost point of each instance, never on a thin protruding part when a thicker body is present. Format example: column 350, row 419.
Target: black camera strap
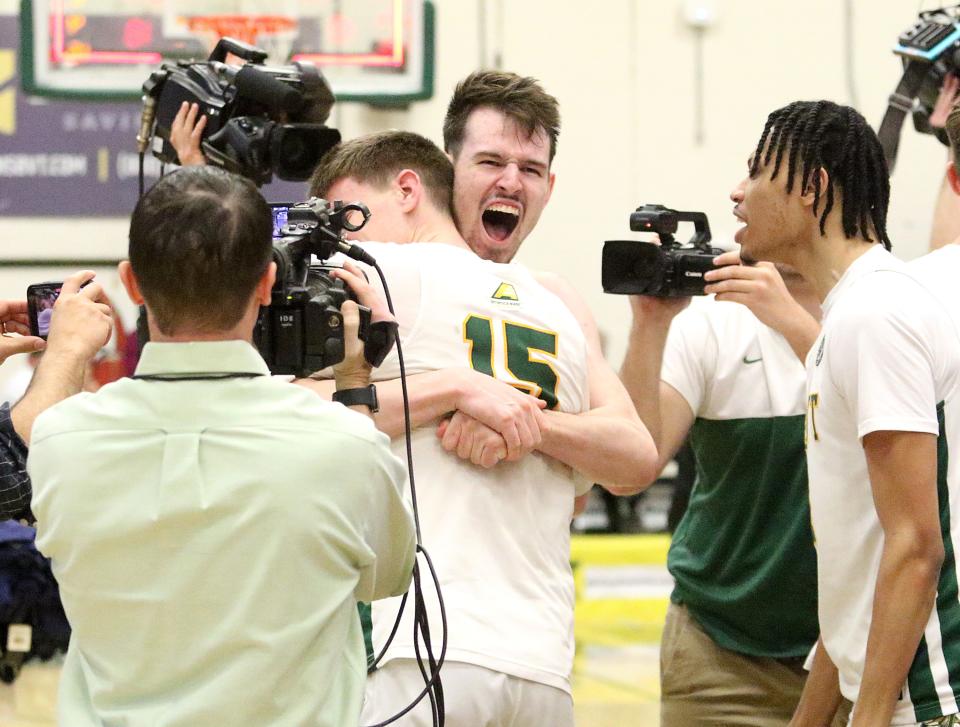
column 198, row 376
column 899, row 105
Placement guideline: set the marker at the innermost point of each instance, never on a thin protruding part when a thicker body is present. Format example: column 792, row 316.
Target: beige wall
column 624, row 73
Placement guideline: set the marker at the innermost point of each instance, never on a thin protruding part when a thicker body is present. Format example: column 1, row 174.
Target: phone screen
column 40, row 300
column 279, row 211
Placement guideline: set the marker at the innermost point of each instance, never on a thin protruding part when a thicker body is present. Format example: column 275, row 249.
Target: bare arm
column 432, row 395
column 665, row 412
column 821, row 693
column 903, row 477
column 608, row 444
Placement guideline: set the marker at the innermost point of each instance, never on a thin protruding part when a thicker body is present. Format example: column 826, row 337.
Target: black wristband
column 366, row 396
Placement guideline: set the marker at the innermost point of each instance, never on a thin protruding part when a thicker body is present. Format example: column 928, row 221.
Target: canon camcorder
column 667, row 270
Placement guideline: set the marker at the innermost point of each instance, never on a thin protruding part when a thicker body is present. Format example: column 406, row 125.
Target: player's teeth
column 503, row 208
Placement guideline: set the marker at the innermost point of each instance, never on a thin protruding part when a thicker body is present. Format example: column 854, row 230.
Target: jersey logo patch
column 505, row 294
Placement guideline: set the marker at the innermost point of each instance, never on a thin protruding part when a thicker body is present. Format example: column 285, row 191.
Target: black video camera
column 301, row 331
column 667, row 270
column 261, row 120
column 929, row 50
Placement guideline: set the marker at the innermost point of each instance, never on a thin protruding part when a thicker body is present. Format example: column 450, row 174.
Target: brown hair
column 376, row 158
column 518, row 97
column 953, row 134
column 200, row 240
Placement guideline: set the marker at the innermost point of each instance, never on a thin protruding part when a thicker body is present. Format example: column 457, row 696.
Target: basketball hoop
column 273, row 33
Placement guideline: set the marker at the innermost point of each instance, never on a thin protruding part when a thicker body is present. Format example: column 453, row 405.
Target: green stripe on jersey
column 926, row 703
column 920, row 681
column 742, row 556
column 366, row 623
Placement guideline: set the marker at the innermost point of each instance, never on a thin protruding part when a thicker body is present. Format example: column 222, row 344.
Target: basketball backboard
column 380, row 51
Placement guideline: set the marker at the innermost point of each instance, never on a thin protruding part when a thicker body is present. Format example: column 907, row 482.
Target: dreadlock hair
column 821, row 134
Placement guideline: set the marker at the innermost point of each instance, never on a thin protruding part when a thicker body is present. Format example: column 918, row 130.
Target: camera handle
column 701, row 236
column 248, row 52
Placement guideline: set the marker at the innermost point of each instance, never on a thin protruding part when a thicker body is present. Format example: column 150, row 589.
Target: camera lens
column 296, row 149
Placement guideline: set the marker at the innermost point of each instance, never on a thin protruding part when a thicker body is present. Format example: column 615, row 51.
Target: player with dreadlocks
column 882, row 412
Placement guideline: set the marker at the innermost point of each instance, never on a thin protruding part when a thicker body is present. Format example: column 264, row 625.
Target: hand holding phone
column 74, row 312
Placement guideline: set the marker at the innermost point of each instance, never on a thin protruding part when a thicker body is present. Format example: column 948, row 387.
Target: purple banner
column 61, row 158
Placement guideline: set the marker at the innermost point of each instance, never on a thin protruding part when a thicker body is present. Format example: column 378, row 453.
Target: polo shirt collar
column 200, row 357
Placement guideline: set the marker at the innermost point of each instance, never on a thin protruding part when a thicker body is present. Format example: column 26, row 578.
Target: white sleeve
column 686, row 355
column 883, row 362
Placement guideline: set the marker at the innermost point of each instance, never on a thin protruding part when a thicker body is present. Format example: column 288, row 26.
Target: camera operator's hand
column 354, row 370
column 651, row 309
column 760, row 288
column 945, row 101
column 14, row 319
column 472, row 440
column 82, row 320
column 185, row 135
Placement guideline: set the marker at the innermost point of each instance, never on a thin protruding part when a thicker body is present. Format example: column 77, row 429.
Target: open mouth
column 500, row 220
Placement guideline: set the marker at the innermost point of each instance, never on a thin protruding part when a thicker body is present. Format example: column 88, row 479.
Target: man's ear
column 552, row 178
column 809, row 193
column 265, row 284
column 953, row 178
column 129, row 280
column 410, row 188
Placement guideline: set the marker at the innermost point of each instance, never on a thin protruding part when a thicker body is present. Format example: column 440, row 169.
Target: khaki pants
column 704, row 685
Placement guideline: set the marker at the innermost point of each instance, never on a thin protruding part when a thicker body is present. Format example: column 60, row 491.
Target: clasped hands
column 493, row 422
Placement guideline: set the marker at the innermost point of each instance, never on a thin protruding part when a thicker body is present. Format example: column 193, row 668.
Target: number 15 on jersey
column 522, row 351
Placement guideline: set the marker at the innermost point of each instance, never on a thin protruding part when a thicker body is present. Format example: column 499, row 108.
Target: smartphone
column 280, row 211
column 40, row 300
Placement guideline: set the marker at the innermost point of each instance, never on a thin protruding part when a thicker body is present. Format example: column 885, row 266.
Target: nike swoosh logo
column 751, row 360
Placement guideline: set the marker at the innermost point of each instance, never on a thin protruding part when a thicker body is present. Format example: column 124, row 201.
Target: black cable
column 140, row 176
column 433, row 687
column 443, row 650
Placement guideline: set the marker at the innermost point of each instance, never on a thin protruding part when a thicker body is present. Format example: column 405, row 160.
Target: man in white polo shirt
column 882, row 384
column 212, row 527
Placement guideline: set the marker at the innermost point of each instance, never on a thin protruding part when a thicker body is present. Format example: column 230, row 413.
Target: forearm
column 608, row 447
column 59, row 375
column 903, row 598
column 800, row 331
column 821, row 695
column 640, row 374
column 431, row 394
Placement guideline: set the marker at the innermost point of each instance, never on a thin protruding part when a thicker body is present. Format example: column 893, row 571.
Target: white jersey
column 938, row 271
column 887, row 359
column 499, row 537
